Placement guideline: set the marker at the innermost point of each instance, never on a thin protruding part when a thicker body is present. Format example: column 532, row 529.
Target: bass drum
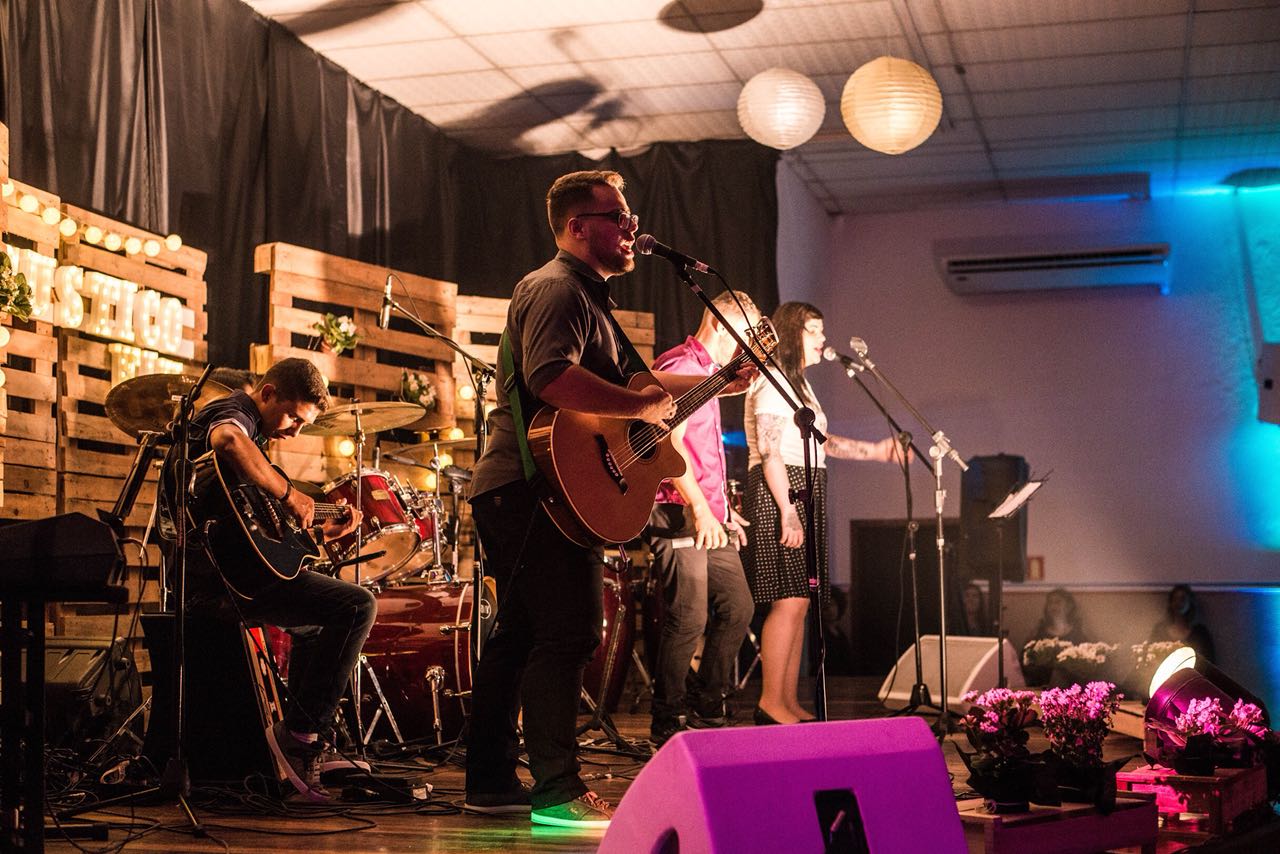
column 606, row 674
column 419, row 651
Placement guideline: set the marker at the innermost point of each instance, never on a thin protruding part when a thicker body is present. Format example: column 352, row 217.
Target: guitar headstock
column 763, row 338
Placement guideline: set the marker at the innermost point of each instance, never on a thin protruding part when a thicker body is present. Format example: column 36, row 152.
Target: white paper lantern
column 891, row 105
column 781, row 108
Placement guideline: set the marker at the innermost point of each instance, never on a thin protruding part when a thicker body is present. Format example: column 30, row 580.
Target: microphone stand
column 482, row 373
column 920, row 698
column 809, row 433
column 940, row 449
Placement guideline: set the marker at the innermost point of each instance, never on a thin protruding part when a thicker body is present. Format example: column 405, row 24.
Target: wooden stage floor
column 437, row 825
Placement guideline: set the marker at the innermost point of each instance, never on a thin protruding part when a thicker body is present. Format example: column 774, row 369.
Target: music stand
column 1012, row 503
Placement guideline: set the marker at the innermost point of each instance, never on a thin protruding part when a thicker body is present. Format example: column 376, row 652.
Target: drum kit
column 417, row 657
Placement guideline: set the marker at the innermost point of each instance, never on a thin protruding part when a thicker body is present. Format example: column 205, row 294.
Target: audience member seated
column 1061, row 619
column 1182, row 624
column 974, row 621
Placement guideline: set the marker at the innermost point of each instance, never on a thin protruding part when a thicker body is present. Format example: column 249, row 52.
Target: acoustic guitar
column 252, row 537
column 602, row 473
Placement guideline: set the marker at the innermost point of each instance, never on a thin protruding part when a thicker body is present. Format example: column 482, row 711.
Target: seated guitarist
column 567, row 352
column 329, row 618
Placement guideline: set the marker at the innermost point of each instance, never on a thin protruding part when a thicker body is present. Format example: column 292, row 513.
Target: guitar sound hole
column 644, row 439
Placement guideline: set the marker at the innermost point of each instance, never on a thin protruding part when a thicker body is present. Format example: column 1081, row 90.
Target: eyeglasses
column 626, row 221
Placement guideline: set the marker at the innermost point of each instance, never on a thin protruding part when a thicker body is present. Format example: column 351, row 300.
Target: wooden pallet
column 1216, row 804
column 1068, row 829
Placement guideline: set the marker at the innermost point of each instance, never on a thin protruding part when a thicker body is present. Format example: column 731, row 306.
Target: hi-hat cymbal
column 428, row 449
column 374, row 418
column 150, row 402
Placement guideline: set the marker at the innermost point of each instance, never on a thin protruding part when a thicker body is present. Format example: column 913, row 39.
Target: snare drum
column 418, row 648
column 387, row 525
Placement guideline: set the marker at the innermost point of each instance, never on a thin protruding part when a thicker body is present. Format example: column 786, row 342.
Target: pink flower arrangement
column 1076, row 720
column 996, row 725
column 1204, row 716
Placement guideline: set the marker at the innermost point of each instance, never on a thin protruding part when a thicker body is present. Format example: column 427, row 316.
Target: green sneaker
column 589, row 811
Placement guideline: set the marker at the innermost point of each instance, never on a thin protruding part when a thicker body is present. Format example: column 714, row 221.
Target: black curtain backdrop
column 201, row 117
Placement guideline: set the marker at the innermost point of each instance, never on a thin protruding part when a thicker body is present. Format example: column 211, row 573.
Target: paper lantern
column 891, row 105
column 781, row 108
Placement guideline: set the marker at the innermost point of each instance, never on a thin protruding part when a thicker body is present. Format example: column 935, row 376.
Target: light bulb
column 347, row 448
column 430, row 481
column 455, row 433
column 50, row 215
column 67, row 228
column 6, row 189
column 133, row 246
column 112, row 241
column 445, row 460
column 29, row 203
column 466, row 392
column 4, row 335
column 1, row 379
column 93, row 235
column 173, row 243
column 151, row 248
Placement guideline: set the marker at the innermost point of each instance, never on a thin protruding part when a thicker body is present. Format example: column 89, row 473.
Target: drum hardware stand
column 742, row 677
column 600, row 718
column 940, row 449
column 482, row 373
column 360, row 739
column 384, row 707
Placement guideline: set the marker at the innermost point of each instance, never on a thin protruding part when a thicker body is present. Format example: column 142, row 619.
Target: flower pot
column 1196, row 759
column 1089, row 784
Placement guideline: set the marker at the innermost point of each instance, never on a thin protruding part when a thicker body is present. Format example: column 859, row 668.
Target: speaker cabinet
column 987, row 482
column 971, row 666
column 877, row 786
column 91, row 687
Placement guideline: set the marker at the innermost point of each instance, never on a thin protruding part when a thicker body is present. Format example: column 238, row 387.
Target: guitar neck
column 330, row 511
column 692, row 400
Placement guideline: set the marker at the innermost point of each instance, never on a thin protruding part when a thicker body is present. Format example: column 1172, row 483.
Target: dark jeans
column 329, row 619
column 695, row 581
column 548, row 626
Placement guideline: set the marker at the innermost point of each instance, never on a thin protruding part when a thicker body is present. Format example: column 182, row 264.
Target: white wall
column 1142, row 405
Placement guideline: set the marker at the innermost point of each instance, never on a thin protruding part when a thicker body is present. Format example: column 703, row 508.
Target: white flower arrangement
column 1086, row 653
column 417, row 387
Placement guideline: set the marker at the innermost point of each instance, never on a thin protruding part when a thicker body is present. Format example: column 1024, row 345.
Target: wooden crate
column 304, row 283
column 1069, row 829
column 1217, row 804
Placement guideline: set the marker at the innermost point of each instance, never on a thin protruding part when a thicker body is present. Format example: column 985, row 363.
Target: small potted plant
column 337, row 334
column 418, row 387
column 15, row 293
column 1001, row 768
column 1076, row 721
column 1082, row 662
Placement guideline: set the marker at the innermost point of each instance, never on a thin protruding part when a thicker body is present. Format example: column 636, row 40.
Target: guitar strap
column 515, row 391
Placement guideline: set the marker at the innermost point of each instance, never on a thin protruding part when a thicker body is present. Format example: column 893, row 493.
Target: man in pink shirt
column 693, row 556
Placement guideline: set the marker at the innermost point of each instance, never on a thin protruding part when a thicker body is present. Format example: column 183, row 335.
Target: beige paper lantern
column 891, row 105
column 781, row 108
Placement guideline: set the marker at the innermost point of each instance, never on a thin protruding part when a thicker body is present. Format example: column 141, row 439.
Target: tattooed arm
column 843, row 448
column 769, row 443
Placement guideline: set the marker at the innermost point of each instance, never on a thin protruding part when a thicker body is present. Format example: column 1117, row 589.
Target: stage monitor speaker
column 91, row 686
column 971, row 666
column 877, row 786
column 987, row 482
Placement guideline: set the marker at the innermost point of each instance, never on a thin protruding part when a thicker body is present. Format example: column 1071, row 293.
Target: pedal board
column 397, row 787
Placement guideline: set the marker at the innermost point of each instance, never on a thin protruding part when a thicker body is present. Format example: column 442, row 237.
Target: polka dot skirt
column 773, row 570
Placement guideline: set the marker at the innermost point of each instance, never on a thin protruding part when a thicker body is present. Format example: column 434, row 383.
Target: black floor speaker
column 986, row 545
column 92, row 686
column 224, row 722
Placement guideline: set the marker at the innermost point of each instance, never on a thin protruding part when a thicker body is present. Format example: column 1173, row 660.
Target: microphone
column 647, row 244
column 850, row 363
column 384, row 316
column 859, row 346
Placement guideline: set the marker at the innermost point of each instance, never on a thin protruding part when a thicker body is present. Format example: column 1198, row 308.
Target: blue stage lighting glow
column 1256, row 470
column 734, row 438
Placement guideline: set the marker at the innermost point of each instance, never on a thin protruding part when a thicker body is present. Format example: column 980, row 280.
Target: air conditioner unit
column 970, row 268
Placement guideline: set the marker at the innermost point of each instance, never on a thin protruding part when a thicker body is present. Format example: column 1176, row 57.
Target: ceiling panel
column 1032, row 91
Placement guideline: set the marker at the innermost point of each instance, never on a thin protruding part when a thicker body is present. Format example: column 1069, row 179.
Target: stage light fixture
column 68, row 227
column 151, row 248
column 50, row 215
column 132, row 246
column 93, row 235
column 28, row 203
column 173, row 243
column 891, row 105
column 112, row 241
column 1183, row 676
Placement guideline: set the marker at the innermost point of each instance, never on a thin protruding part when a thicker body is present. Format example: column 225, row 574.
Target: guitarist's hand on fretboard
column 301, row 507
column 341, row 525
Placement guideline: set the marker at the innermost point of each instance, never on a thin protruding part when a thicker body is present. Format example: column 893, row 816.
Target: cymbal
column 374, row 418
column 428, row 449
column 148, row 402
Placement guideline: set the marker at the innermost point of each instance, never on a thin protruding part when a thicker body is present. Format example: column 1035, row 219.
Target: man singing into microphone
column 692, row 554
column 566, row 351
